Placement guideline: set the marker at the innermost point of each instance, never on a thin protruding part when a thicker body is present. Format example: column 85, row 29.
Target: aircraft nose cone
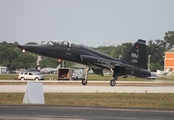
column 22, row 47
column 18, row 46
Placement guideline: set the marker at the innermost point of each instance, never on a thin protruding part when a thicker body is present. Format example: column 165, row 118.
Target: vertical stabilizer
column 137, row 55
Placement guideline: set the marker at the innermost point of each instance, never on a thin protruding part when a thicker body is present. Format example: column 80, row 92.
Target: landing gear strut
column 38, row 68
column 84, row 76
column 115, row 74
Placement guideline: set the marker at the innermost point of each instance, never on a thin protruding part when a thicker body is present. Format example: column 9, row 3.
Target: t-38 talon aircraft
column 134, row 63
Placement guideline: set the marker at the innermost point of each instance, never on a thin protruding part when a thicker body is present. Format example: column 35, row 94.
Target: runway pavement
column 46, row 112
column 91, row 89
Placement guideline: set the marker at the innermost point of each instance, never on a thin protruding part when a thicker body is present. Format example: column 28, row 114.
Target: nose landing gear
column 84, row 76
column 38, row 68
column 115, row 75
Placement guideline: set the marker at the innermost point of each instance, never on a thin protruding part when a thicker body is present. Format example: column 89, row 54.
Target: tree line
column 12, row 57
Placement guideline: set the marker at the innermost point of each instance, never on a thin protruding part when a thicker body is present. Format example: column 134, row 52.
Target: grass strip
column 91, row 77
column 145, row 100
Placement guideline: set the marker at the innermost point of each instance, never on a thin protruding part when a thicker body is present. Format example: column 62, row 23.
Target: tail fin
column 137, row 55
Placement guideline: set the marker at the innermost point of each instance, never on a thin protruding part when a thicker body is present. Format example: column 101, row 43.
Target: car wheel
column 22, row 79
column 77, row 78
column 36, row 78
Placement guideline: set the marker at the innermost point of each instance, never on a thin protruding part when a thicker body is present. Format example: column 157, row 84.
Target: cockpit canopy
column 62, row 43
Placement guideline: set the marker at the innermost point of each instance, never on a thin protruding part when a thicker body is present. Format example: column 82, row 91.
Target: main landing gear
column 84, row 76
column 115, row 75
column 84, row 82
column 113, row 82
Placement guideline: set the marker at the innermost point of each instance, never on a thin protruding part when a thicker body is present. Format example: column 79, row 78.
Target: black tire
column 84, row 82
column 38, row 68
column 36, row 79
column 112, row 83
column 22, row 78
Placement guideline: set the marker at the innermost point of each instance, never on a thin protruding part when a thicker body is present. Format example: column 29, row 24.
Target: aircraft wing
column 103, row 62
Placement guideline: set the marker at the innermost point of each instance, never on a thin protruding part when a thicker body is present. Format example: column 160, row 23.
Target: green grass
column 8, row 76
column 54, row 77
column 90, row 77
column 98, row 99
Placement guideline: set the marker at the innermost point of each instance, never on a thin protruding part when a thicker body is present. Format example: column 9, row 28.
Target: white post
column 149, row 56
column 120, row 56
column 62, row 63
column 123, row 50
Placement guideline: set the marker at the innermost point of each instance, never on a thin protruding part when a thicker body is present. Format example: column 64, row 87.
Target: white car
column 30, row 76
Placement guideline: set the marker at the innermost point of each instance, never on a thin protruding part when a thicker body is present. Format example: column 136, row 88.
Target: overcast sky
column 90, row 22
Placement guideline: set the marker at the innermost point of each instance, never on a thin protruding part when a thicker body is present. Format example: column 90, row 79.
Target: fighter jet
column 134, row 63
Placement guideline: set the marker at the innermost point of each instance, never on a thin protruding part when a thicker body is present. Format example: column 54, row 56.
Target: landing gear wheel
column 84, row 82
column 112, row 83
column 38, row 68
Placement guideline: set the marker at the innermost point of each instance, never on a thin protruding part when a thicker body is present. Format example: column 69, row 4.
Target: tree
column 125, row 47
column 31, row 43
column 169, row 38
column 156, row 49
column 156, row 66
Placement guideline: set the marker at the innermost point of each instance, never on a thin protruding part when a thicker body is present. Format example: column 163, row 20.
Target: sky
column 90, row 22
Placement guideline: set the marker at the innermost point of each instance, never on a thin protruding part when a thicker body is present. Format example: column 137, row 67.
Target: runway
column 90, row 89
column 46, row 112
column 50, row 112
